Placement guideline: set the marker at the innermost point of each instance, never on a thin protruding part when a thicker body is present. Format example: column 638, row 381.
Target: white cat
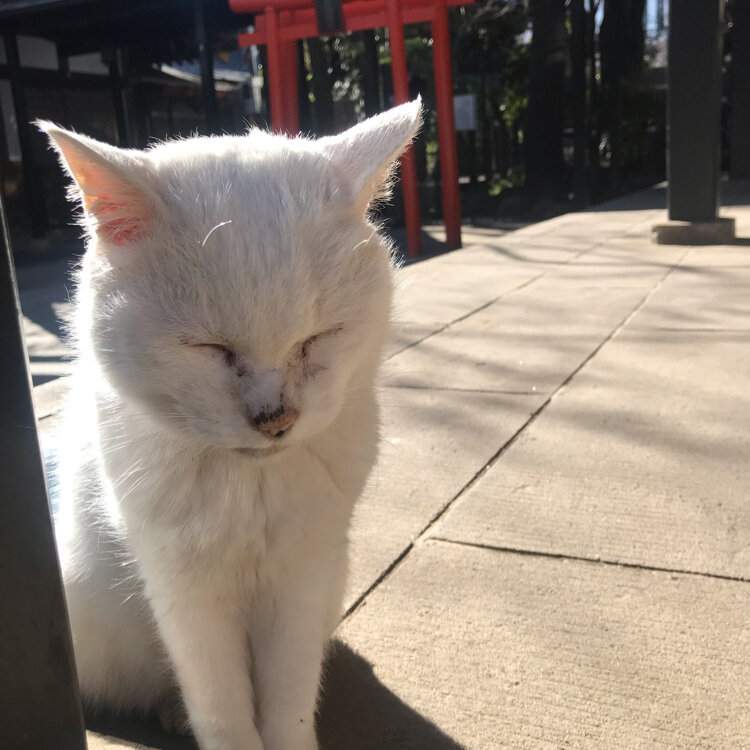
column 231, row 311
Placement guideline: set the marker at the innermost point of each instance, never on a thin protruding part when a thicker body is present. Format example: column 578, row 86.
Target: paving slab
column 528, row 342
column 594, row 224
column 629, row 248
column 548, row 248
column 433, row 235
column 540, row 251
column 492, row 256
column 476, row 649
column 45, row 292
column 41, row 342
column 598, row 275
column 404, row 334
column 722, row 255
column 641, row 459
column 698, row 297
column 433, row 442
column 644, row 227
column 597, row 224
column 471, row 359
column 432, row 296
column 620, row 263
column 48, row 397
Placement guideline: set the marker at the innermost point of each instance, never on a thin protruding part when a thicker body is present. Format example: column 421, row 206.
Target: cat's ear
column 364, row 156
column 118, row 207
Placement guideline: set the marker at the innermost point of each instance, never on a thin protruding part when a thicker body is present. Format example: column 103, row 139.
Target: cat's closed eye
column 230, row 357
column 306, row 345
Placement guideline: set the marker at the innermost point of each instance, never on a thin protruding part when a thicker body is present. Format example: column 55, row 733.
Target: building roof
column 154, row 30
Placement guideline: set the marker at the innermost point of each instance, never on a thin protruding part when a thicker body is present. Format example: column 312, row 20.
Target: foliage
column 491, row 59
column 491, row 50
column 343, row 54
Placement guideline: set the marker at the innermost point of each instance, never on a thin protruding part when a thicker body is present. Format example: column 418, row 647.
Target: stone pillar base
column 716, row 232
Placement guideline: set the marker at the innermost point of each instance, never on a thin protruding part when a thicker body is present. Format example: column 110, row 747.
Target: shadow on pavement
column 358, row 712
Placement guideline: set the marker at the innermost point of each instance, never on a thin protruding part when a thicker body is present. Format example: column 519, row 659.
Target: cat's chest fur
column 221, row 510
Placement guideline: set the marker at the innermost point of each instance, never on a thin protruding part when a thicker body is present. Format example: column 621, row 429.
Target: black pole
column 32, row 185
column 694, row 109
column 206, row 58
column 543, row 140
column 119, row 98
column 321, row 85
column 39, row 701
column 369, row 70
column 303, row 89
column 64, row 67
column 578, row 76
column 739, row 146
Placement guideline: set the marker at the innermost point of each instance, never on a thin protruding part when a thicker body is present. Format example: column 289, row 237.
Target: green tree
column 490, row 55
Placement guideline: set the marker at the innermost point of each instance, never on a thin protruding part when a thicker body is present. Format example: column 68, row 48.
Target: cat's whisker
column 364, row 387
column 213, row 229
column 131, row 488
column 122, row 581
column 364, row 242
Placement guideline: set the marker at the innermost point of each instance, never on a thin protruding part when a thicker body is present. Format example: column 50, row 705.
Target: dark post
column 694, row 109
column 368, row 65
column 119, row 98
column 39, row 701
column 303, row 89
column 64, row 66
column 321, row 85
column 543, row 144
column 739, row 154
column 32, row 185
column 206, row 58
column 578, row 50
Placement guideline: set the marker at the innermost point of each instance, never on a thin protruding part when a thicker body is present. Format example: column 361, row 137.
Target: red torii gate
column 280, row 23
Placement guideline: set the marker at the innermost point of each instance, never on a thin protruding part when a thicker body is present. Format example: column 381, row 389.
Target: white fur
column 195, row 552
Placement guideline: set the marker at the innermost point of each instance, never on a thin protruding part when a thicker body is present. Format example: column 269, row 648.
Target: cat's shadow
column 357, row 712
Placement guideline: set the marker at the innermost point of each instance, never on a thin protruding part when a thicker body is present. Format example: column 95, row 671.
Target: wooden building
column 115, row 71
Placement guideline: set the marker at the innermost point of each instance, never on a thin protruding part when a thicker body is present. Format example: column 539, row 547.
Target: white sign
column 465, row 109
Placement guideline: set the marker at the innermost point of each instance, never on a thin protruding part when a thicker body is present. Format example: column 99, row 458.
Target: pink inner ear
column 118, row 222
column 118, row 210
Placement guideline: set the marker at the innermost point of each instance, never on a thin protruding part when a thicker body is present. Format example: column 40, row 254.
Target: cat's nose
column 274, row 424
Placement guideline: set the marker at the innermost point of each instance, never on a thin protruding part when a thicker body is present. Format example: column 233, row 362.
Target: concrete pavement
column 554, row 549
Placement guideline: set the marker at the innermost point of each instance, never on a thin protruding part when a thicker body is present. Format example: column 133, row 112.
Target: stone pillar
column 694, row 119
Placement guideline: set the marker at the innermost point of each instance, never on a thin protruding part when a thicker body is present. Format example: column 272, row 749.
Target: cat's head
column 233, row 286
